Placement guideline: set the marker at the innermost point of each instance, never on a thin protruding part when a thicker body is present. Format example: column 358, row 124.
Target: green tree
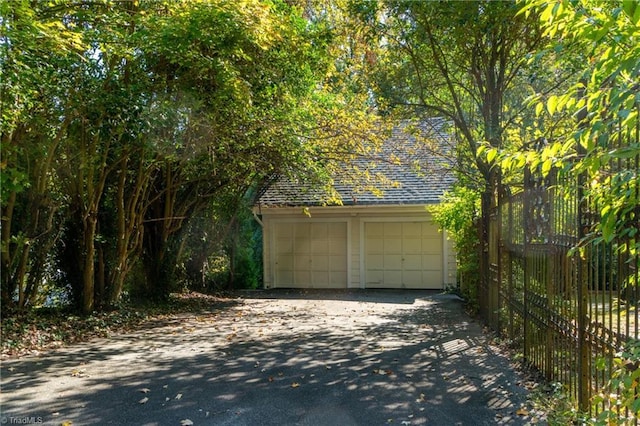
column 603, row 142
column 147, row 114
column 33, row 96
column 467, row 62
column 234, row 79
column 458, row 213
column 464, row 61
column 104, row 121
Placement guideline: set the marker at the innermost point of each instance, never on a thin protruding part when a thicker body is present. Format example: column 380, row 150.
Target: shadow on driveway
column 278, row 358
column 350, row 295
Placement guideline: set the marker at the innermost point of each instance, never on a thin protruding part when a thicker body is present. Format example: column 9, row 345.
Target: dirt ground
column 279, row 358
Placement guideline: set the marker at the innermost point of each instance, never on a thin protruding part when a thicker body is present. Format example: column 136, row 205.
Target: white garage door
column 403, row 255
column 310, row 255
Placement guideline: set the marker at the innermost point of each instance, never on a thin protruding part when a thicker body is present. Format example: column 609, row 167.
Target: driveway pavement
column 279, row 358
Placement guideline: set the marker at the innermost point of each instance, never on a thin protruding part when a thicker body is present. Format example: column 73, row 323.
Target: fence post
column 494, row 257
column 508, row 264
column 584, row 349
column 526, row 223
column 490, row 262
column 483, row 297
column 550, row 201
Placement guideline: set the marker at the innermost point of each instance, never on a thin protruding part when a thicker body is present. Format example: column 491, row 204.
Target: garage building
column 385, row 240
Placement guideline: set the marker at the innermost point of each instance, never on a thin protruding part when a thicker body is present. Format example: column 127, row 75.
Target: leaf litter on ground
column 43, row 329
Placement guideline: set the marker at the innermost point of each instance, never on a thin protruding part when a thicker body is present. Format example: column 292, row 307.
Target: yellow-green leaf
column 539, row 109
column 546, row 166
column 491, row 155
column 552, row 104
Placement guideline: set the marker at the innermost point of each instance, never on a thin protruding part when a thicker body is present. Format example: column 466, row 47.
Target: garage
column 370, row 239
column 310, row 254
column 403, row 255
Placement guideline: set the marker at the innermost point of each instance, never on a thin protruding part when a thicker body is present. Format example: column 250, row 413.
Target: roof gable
column 413, row 163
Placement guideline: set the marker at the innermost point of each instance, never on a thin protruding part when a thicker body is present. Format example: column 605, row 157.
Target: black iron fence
column 569, row 310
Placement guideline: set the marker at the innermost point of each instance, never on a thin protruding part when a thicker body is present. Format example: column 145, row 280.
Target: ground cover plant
column 39, row 330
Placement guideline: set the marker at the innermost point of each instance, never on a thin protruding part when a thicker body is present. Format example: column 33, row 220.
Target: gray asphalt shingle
column 415, row 159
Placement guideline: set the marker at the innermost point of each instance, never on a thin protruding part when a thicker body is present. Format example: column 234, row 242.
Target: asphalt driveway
column 279, row 358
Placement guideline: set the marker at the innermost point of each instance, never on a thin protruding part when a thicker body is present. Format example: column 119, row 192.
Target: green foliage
column 602, row 144
column 123, row 121
column 620, row 399
column 247, row 255
column 32, row 92
column 457, row 214
column 465, row 61
column 223, row 251
column 558, row 406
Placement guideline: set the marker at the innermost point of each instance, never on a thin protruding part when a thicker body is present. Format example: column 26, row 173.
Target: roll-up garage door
column 310, row 255
column 403, row 255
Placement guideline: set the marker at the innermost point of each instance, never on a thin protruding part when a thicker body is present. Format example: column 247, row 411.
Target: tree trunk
column 21, row 274
column 8, row 284
column 157, row 278
column 100, row 277
column 129, row 210
column 88, row 266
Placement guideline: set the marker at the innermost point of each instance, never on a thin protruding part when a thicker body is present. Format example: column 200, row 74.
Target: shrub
column 457, row 214
column 622, row 400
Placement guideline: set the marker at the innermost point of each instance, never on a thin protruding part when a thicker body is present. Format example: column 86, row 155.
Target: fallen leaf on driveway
column 78, row 373
column 143, row 400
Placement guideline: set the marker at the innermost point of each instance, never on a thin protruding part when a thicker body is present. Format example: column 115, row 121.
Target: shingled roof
column 413, row 161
